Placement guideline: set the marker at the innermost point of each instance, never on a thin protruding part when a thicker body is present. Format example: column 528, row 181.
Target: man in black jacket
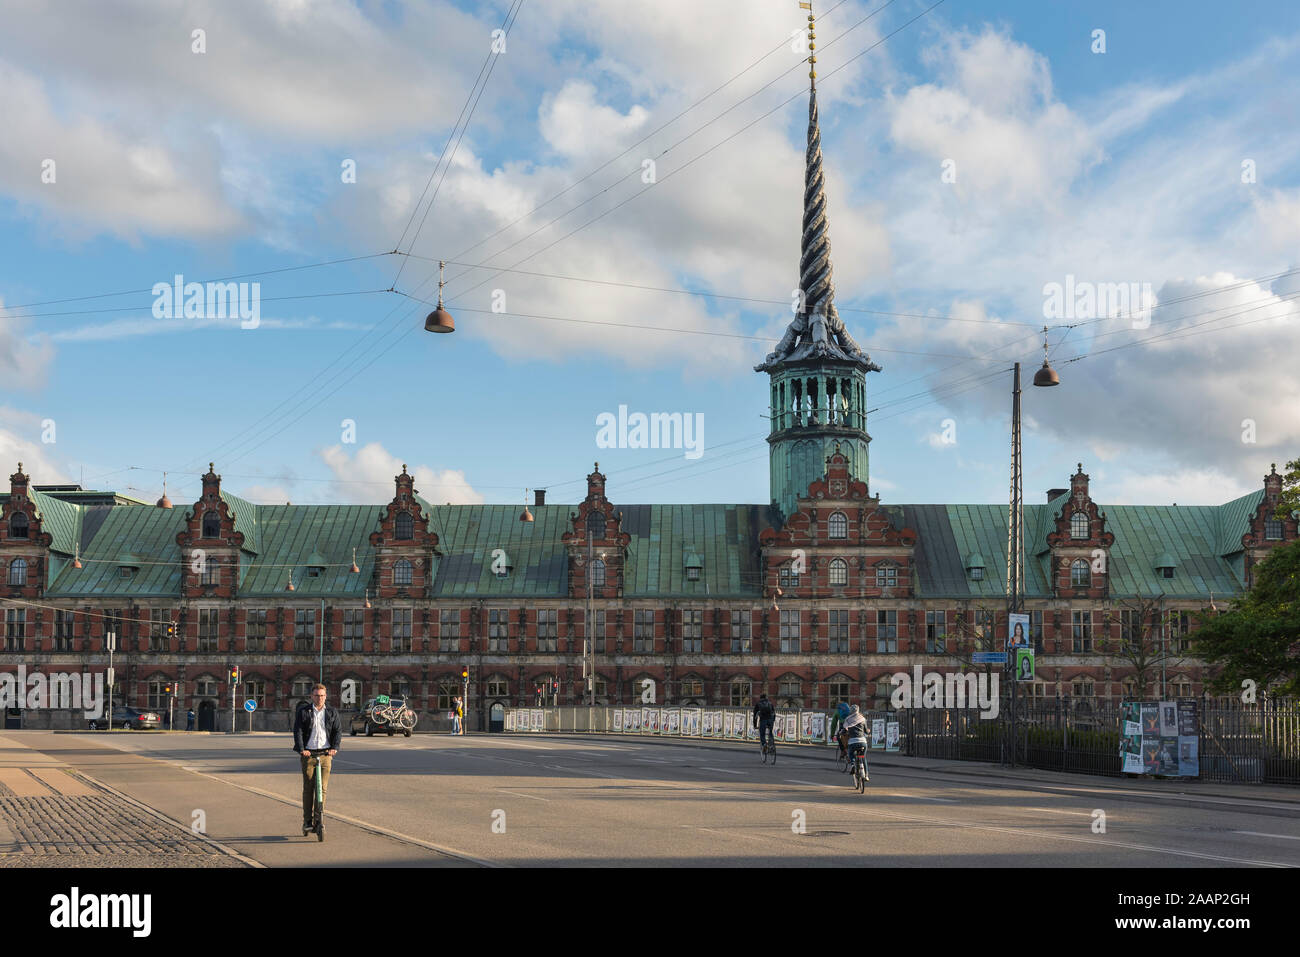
column 764, row 718
column 317, row 734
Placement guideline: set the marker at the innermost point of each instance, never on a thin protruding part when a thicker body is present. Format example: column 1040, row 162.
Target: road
column 533, row 800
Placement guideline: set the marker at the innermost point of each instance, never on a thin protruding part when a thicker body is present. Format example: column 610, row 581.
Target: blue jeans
column 765, row 728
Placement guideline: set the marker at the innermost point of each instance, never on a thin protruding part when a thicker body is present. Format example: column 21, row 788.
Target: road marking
column 1053, row 810
column 723, row 770
column 1285, row 837
column 917, row 797
column 650, row 760
column 809, row 783
column 531, row 797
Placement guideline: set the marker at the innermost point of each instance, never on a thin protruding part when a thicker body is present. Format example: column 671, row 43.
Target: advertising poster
column 650, row 720
column 1132, row 729
column 816, row 726
column 539, row 719
column 1132, row 763
column 525, row 720
column 1187, row 723
column 778, row 727
column 791, row 727
column 731, row 726
column 751, row 732
column 632, row 720
column 891, row 735
column 706, row 724
column 1150, row 719
column 1188, row 759
column 691, row 721
column 618, row 719
column 1169, row 756
column 1017, row 631
column 877, row 733
column 673, row 721
column 805, row 725
column 1168, row 719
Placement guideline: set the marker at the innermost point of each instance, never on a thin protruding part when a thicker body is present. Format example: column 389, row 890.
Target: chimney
column 539, row 497
column 1056, row 493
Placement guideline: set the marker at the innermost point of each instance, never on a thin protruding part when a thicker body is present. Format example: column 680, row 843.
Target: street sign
column 250, row 705
column 989, row 658
column 1024, row 664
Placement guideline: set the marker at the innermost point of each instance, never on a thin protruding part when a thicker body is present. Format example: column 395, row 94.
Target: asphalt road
column 502, row 800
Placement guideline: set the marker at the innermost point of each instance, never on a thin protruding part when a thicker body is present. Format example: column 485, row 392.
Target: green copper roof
column 61, row 519
column 296, row 537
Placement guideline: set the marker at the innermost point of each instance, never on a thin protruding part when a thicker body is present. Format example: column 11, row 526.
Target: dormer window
column 211, row 525
column 838, row 525
column 596, row 524
column 1080, row 573
column 402, row 573
column 975, row 567
column 125, row 572
column 315, row 571
column 405, row 529
column 693, row 573
column 1165, row 565
column 1272, row 530
column 18, row 525
column 694, row 564
column 1079, row 525
column 597, row 573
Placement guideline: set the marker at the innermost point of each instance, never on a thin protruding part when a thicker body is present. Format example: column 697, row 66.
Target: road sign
column 250, row 705
column 1024, row 664
column 989, row 658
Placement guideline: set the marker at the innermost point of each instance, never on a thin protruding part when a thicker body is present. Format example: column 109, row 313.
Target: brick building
column 817, row 596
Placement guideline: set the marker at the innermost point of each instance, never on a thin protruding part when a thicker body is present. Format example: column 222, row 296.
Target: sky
column 617, row 191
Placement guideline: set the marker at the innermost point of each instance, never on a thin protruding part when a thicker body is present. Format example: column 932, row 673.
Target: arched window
column 18, row 525
column 211, row 525
column 741, row 692
column 402, row 572
column 596, row 524
column 839, row 571
column 598, row 573
column 1079, row 525
column 405, row 527
column 18, row 572
column 1080, row 574
column 838, row 525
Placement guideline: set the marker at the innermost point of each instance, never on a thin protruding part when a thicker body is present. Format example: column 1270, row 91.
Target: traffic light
column 234, row 675
column 167, row 689
column 464, row 674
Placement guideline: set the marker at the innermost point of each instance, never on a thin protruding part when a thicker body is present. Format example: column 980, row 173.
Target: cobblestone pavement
column 90, row 828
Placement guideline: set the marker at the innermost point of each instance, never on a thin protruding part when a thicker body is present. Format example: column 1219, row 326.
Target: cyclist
column 764, row 718
column 842, row 711
column 855, row 730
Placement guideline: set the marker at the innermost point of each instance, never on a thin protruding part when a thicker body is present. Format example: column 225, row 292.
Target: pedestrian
column 455, row 715
column 317, row 733
column 460, row 716
column 189, row 720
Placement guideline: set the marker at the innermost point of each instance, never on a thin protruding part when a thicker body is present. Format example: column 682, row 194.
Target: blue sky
column 1118, row 167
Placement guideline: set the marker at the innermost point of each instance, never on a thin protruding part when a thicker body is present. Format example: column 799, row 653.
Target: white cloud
column 20, row 434
column 24, row 359
column 367, row 477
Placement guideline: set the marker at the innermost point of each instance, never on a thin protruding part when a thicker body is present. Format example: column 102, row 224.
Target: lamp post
column 110, row 639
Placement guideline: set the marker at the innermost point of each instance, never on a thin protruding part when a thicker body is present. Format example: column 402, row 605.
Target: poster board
column 1160, row 737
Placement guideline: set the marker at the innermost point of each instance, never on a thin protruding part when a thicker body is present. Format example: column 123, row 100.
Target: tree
column 1289, row 500
column 1258, row 639
column 1148, row 650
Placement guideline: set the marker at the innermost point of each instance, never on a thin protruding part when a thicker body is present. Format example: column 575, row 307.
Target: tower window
column 211, row 525
column 838, row 525
column 405, row 528
column 596, row 524
column 18, row 525
column 1272, row 530
column 1079, row 525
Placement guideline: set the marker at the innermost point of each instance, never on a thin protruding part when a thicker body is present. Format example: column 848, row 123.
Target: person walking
column 189, row 720
column 457, row 716
column 317, row 733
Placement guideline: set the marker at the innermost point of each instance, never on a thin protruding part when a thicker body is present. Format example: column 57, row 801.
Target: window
column 692, row 631
column 15, row 628
column 1167, row 571
column 600, row 688
column 125, row 572
column 837, row 631
column 643, row 630
column 159, row 623
column 401, row 644
column 254, row 688
column 498, row 631
column 596, row 525
column 158, row 694
column 1079, row 525
column 314, row 571
column 740, row 692
column 448, row 629
column 405, row 527
column 205, row 687
column 497, row 687
column 1180, row 627
column 211, row 525
column 1181, row 687
column 788, row 690
column 1036, row 630
column 402, row 572
column 1081, row 622
column 597, row 574
column 692, row 573
column 1080, row 574
column 1082, row 688
column 837, row 689
column 255, row 629
column 210, row 571
column 936, row 630
column 1130, row 628
column 839, row 571
column 886, row 631
column 209, row 628
column 838, row 525
column 740, row 633
column 18, row 572
column 300, row 690
column 787, row 577
column 691, row 687
column 399, row 687
column 984, row 627
column 18, row 525
column 598, row 632
column 548, row 629
column 790, row 630
column 886, row 576
column 448, row 692
column 1272, row 529
column 304, row 628
column 63, row 631
column 976, row 573
column 354, row 622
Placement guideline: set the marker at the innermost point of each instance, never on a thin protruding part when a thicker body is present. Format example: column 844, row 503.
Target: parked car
column 368, row 721
column 132, row 719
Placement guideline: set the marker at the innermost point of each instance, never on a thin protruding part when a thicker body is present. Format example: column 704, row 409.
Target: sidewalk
column 977, row 769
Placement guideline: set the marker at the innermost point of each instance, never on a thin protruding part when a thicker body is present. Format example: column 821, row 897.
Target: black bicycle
column 769, row 748
column 318, row 808
column 858, row 754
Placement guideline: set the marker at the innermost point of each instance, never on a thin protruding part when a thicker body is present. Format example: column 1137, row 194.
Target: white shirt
column 317, row 741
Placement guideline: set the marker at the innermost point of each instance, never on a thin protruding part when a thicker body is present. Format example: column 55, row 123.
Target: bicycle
column 858, row 750
column 769, row 748
column 318, row 808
